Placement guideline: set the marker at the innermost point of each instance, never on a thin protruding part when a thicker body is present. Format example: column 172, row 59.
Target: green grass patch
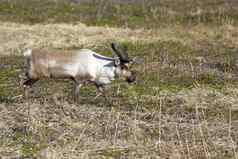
column 167, row 65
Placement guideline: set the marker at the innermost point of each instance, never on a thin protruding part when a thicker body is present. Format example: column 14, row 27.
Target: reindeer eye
column 124, row 67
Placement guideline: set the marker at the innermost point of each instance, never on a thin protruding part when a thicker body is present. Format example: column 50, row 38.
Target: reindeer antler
column 123, row 56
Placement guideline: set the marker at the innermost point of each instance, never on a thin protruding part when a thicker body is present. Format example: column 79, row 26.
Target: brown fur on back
column 41, row 60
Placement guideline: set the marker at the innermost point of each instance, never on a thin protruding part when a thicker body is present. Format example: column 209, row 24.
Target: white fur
column 87, row 64
column 28, row 52
column 72, row 69
column 52, row 63
column 106, row 75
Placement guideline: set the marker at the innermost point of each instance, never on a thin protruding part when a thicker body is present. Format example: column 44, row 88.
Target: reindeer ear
column 137, row 60
column 117, row 61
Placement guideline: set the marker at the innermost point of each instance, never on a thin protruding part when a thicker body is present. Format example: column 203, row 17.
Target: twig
column 189, row 156
column 116, row 129
column 18, row 96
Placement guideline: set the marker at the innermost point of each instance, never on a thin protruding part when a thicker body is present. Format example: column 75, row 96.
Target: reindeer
column 82, row 66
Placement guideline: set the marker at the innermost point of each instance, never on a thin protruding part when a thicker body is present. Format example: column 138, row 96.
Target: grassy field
column 184, row 105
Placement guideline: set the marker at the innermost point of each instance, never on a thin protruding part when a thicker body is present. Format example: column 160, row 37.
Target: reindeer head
column 123, row 64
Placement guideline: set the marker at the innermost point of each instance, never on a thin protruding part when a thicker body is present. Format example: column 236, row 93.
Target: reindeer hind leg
column 27, row 84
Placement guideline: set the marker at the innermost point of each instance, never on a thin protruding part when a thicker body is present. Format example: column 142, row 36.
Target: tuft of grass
column 9, row 78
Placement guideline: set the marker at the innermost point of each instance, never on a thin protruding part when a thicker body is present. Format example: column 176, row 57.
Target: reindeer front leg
column 79, row 83
column 76, row 93
column 102, row 91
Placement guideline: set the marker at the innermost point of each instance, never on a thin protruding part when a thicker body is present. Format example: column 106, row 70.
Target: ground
column 184, row 104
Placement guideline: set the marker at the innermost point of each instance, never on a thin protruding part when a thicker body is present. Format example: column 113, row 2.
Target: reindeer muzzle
column 131, row 78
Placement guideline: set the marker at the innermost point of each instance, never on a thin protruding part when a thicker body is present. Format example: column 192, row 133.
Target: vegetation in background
column 144, row 13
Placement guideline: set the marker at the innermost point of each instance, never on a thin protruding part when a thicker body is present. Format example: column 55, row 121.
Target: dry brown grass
column 16, row 37
column 187, row 124
column 145, row 121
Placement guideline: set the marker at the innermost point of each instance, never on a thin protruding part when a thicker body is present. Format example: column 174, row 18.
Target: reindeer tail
column 27, row 53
